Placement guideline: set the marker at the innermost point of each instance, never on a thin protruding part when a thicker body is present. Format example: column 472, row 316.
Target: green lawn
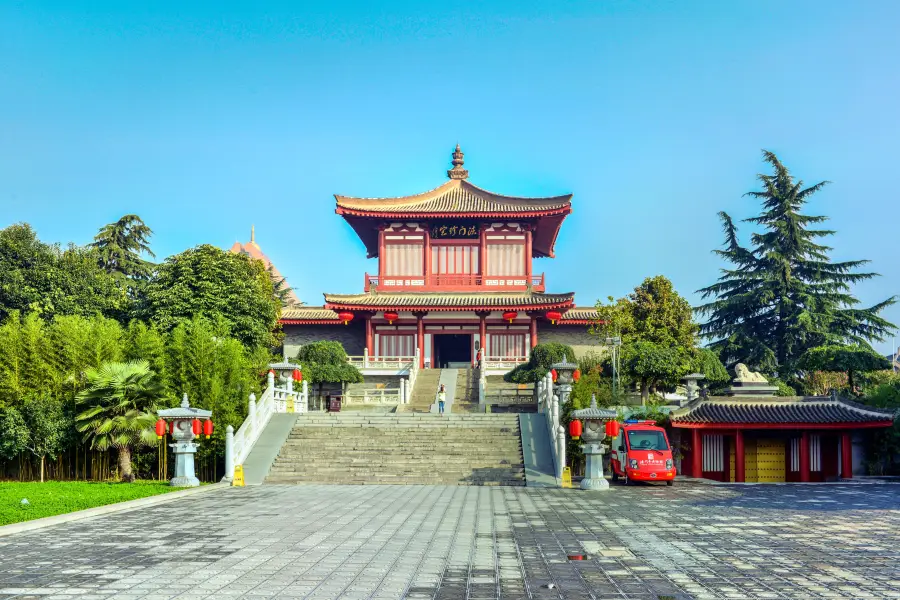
column 58, row 497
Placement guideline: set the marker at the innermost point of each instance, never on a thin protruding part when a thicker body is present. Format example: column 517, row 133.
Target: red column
column 739, row 472
column 528, row 258
column 846, row 456
column 696, row 453
column 420, row 337
column 482, row 333
column 804, row 456
column 381, row 256
column 533, row 329
column 426, row 260
column 370, row 338
column 482, row 254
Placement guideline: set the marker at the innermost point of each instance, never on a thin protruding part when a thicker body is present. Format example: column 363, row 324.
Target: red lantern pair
column 510, row 315
column 391, row 316
column 206, row 427
column 575, row 429
column 554, row 316
column 297, row 375
column 160, row 429
column 345, row 316
column 612, row 428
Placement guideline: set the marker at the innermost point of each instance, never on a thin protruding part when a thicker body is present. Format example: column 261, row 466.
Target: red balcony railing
column 455, row 282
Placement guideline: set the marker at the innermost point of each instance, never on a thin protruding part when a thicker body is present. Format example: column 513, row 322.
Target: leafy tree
column 706, row 361
column 326, row 362
column 653, row 365
column 849, row 359
column 119, row 405
column 783, row 294
column 543, row 356
column 281, row 288
column 119, row 247
column 14, row 433
column 35, row 276
column 208, row 282
column 48, row 427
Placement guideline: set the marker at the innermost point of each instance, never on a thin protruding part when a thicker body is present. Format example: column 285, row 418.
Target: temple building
column 454, row 281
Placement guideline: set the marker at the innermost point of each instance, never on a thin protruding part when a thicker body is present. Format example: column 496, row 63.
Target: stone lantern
column 594, row 423
column 690, row 385
column 564, row 377
column 283, row 371
column 180, row 422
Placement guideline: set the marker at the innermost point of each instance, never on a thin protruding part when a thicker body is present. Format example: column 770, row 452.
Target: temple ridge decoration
column 457, row 172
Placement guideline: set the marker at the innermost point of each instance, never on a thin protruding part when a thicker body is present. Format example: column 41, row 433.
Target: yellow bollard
column 239, row 476
column 566, row 477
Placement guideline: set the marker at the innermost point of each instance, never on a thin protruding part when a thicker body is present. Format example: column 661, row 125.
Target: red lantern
column 160, row 429
column 297, row 375
column 554, row 374
column 554, row 316
column 195, row 426
column 575, row 429
column 272, row 372
column 207, row 428
column 345, row 316
column 510, row 315
column 576, row 375
column 391, row 316
column 612, row 428
column 172, row 427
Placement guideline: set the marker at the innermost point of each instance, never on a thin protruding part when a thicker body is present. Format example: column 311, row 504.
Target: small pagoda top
column 455, row 199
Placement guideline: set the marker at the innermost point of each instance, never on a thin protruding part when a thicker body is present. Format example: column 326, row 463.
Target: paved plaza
column 453, row 543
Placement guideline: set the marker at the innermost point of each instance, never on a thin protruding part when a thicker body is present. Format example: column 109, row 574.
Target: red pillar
column 528, row 258
column 482, row 254
column 420, row 337
column 846, row 456
column 696, row 453
column 804, row 456
column 381, row 256
column 370, row 338
column 533, row 330
column 426, row 260
column 739, row 472
column 482, row 333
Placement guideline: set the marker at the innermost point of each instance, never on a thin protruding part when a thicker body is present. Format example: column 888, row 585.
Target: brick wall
column 576, row 336
column 352, row 336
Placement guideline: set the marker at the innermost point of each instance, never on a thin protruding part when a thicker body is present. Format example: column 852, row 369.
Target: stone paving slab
column 455, row 543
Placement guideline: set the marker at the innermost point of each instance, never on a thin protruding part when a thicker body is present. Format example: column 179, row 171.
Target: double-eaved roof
column 780, row 412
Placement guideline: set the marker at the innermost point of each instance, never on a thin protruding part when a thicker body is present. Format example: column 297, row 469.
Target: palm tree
column 121, row 402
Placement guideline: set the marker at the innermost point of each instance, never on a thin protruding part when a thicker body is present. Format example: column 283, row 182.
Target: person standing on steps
column 442, row 397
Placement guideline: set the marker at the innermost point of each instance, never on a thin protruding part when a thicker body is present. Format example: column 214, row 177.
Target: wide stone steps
column 406, row 448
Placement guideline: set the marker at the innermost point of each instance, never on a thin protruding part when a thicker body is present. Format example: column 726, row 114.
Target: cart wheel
column 670, row 483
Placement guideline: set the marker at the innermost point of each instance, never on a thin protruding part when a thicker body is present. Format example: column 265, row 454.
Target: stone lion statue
column 745, row 375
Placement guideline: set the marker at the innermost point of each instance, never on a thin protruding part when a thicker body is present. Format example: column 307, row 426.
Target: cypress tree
column 783, row 295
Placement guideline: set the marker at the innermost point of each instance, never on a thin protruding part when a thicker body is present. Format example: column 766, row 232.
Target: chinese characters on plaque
column 461, row 232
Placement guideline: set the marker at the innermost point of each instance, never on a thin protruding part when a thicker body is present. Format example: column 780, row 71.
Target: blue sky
column 205, row 120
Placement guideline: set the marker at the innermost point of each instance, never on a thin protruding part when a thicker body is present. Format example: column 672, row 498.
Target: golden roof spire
column 253, row 234
column 457, row 172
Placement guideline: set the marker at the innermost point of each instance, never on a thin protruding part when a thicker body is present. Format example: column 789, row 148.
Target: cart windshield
column 647, row 440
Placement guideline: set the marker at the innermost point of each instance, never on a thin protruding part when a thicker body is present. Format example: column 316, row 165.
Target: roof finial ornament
column 253, row 234
column 457, row 172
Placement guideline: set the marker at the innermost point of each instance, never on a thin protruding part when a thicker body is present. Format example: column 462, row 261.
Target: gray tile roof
column 808, row 409
column 309, row 314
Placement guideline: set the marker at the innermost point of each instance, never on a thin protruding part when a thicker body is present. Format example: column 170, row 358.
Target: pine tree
column 783, row 294
column 120, row 246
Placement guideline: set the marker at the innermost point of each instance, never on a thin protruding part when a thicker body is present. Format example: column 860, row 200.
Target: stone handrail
column 382, row 362
column 548, row 405
column 258, row 415
column 503, row 362
column 378, row 396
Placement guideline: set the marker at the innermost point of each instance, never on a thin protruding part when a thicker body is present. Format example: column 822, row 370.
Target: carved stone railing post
column 366, row 358
column 251, row 412
column 229, row 454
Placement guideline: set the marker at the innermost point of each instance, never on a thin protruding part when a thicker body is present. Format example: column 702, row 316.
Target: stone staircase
column 424, row 391
column 453, row 449
column 465, row 400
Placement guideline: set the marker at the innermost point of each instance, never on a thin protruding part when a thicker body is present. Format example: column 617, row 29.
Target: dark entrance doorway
column 452, row 350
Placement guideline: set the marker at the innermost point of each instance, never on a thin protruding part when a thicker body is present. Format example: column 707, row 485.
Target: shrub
column 539, row 364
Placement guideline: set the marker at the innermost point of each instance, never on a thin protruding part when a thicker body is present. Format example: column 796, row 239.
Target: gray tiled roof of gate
column 311, row 314
column 809, row 409
column 449, row 300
